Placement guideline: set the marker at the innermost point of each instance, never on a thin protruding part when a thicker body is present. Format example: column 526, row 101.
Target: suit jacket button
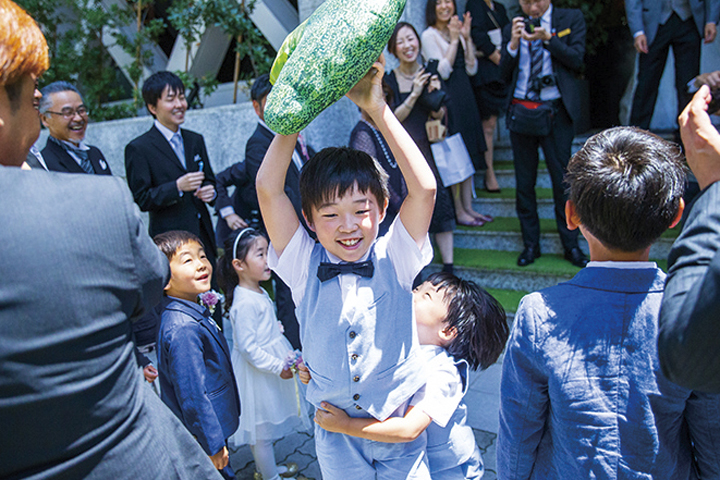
column 356, row 378
column 354, row 356
column 358, row 407
column 356, row 397
column 352, row 334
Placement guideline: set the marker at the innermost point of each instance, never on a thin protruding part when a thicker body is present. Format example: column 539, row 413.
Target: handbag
column 432, row 100
column 452, row 160
column 436, row 130
column 530, row 121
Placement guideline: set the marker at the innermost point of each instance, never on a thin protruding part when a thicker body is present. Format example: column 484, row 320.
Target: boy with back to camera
column 196, row 377
column 461, row 326
column 353, row 294
column 582, row 393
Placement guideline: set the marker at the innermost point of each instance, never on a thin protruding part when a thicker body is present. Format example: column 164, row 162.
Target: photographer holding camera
column 542, row 59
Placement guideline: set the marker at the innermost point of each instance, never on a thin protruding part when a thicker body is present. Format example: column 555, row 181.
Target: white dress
column 269, row 408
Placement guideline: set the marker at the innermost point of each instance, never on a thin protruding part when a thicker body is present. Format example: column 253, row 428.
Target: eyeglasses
column 69, row 112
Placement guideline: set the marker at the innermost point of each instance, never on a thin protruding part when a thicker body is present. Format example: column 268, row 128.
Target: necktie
column 328, row 270
column 82, row 155
column 177, row 145
column 536, row 66
column 84, row 160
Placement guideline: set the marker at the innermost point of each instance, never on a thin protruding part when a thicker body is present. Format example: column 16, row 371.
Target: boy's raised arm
column 276, row 209
column 416, row 210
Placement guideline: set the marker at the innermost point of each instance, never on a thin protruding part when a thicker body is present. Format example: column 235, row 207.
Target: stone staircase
column 488, row 254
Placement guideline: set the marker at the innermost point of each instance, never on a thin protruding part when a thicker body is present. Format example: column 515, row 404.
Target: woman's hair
column 431, row 14
column 392, row 43
column 237, row 246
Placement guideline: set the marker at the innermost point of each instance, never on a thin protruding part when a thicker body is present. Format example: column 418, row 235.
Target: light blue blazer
column 645, row 15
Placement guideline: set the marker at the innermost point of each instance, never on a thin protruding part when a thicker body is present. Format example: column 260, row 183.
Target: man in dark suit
column 657, row 25
column 66, row 117
column 689, row 338
column 70, row 397
column 242, row 208
column 168, row 169
column 542, row 69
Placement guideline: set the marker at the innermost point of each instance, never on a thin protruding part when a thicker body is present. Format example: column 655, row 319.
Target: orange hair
column 23, row 49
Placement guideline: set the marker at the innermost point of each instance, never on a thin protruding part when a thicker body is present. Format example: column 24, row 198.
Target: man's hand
column 539, row 34
column 303, row 373
column 331, row 418
column 516, row 33
column 206, row 193
column 190, row 181
column 641, row 43
column 710, row 32
column 234, row 221
column 220, row 459
column 150, row 373
column 701, row 139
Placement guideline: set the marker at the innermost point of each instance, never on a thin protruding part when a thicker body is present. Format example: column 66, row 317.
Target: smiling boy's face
column 431, row 311
column 348, row 225
column 190, row 272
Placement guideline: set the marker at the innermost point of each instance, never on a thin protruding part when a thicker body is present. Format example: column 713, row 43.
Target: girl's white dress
column 269, row 408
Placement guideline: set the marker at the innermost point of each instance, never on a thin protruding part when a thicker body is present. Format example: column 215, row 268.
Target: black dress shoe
column 576, row 257
column 528, row 256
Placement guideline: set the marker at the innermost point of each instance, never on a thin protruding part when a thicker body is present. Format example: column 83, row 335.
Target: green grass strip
column 509, row 299
column 548, row 264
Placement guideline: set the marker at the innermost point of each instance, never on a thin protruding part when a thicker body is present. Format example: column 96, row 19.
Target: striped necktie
column 177, row 145
column 536, row 67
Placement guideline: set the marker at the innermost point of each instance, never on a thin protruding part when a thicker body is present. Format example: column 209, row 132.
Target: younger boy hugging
column 353, row 293
column 582, row 394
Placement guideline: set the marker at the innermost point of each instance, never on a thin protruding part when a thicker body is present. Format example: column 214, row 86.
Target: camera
column 714, row 105
column 539, row 83
column 531, row 24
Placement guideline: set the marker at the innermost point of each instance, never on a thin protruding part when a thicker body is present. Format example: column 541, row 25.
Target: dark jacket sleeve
column 507, row 61
column 254, row 153
column 572, row 53
column 235, row 175
column 481, row 24
column 689, row 338
column 148, row 196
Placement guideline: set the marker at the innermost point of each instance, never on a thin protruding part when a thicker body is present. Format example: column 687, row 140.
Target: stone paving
column 482, row 399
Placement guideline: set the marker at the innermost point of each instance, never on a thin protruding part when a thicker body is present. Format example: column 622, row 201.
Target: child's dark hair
column 335, row 171
column 478, row 318
column 237, row 246
column 626, row 185
column 260, row 88
column 155, row 84
column 170, row 242
column 392, row 43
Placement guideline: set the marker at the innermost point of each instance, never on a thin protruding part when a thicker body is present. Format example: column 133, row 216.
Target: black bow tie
column 328, row 270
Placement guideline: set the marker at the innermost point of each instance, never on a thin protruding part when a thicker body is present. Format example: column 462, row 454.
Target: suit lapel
column 100, row 165
column 196, row 311
column 64, row 158
column 159, row 142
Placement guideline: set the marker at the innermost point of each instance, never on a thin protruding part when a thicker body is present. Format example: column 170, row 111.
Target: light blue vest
column 363, row 355
column 453, row 450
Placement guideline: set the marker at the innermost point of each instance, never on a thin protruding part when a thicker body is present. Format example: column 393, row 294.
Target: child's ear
column 678, row 216
column 237, row 264
column 571, row 217
column 308, row 222
column 384, row 210
column 447, row 333
column 167, row 287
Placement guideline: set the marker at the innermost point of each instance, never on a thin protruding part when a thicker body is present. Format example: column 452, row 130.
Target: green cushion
column 323, row 58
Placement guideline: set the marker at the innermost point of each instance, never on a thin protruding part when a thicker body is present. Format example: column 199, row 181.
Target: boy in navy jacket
column 196, row 377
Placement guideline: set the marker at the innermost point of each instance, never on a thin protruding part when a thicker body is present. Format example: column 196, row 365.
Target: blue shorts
column 342, row 456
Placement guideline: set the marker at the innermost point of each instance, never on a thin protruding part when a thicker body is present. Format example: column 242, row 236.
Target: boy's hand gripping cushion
column 324, row 57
